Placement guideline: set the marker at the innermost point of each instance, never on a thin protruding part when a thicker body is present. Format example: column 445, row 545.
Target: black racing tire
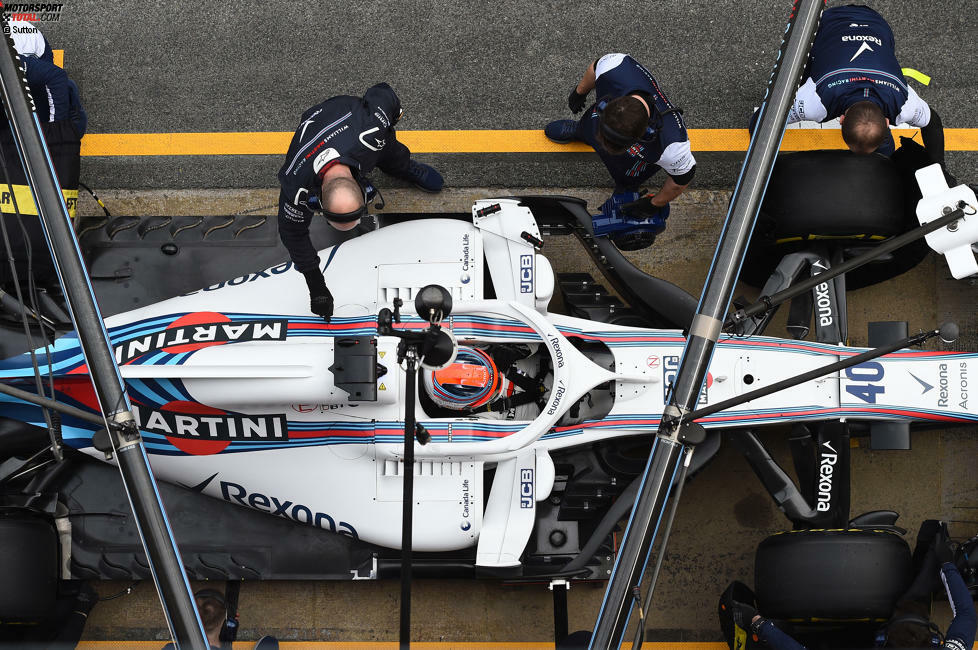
column 808, row 575
column 29, row 566
column 832, row 193
column 833, row 199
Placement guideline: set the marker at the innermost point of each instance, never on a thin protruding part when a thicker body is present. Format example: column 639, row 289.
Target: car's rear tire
column 853, row 575
column 29, row 566
column 832, row 199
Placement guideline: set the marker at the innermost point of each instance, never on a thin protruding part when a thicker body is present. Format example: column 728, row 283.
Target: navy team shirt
column 853, row 59
column 617, row 75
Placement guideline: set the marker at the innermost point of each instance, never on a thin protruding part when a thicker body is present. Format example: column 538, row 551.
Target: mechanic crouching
column 337, row 143
column 908, row 627
column 636, row 131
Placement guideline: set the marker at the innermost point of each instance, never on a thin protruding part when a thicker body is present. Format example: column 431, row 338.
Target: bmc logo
column 526, row 274
column 526, row 488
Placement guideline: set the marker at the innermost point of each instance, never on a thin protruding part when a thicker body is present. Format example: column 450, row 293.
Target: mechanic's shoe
column 562, row 131
column 424, row 177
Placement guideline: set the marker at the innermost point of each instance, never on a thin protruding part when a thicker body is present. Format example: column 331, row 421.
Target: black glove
column 322, row 305
column 320, row 299
column 943, row 549
column 643, row 208
column 576, row 101
column 742, row 614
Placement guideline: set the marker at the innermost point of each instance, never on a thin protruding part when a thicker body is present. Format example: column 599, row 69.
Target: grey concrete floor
column 256, row 66
column 724, row 512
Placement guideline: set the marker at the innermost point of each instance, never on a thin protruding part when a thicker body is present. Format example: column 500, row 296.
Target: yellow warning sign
column 382, row 387
column 382, row 353
column 24, row 200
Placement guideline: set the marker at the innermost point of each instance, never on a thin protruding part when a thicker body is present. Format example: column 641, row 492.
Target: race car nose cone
column 949, row 332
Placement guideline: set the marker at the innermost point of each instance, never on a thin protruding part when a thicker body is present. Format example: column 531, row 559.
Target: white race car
column 294, row 426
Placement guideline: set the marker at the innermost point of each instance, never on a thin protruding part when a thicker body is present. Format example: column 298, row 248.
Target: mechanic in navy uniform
column 633, row 127
column 63, row 123
column 337, row 144
column 55, row 94
column 853, row 74
column 910, row 625
column 214, row 616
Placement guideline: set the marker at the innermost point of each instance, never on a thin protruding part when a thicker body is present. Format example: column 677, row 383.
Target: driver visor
column 463, row 374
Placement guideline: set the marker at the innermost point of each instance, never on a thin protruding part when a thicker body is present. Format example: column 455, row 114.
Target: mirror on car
column 433, row 303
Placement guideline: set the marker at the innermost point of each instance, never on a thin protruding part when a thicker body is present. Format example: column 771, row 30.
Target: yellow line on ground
column 364, row 645
column 487, row 141
column 376, row 645
column 184, row 144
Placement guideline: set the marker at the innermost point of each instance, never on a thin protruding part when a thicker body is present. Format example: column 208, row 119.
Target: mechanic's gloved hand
column 742, row 614
column 643, row 208
column 612, row 208
column 320, row 299
column 943, row 549
column 576, row 101
column 322, row 306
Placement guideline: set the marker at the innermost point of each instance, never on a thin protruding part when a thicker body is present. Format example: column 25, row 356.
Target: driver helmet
column 471, row 381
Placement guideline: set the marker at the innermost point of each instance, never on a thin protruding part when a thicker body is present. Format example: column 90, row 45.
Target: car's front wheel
column 840, row 575
column 839, row 202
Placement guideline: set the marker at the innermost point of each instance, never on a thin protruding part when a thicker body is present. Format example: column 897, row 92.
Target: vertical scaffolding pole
column 705, row 330
column 154, row 529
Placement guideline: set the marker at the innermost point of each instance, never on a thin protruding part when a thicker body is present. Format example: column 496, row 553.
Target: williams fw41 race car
column 278, row 437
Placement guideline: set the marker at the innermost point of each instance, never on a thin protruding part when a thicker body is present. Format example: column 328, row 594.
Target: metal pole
column 559, row 589
column 44, row 402
column 154, row 530
column 612, row 619
column 647, row 605
column 664, row 463
column 407, row 512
